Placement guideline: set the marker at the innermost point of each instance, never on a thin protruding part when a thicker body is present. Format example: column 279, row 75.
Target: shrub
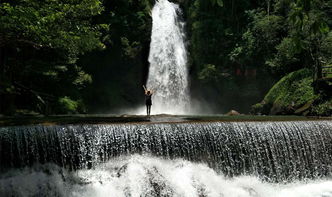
column 67, row 105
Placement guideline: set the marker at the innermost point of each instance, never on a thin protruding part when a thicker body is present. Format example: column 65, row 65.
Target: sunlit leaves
column 55, row 24
column 82, row 77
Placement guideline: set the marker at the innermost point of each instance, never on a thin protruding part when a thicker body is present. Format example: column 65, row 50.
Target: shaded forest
column 91, row 56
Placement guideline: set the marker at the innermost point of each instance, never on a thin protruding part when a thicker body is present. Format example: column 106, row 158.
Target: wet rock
column 304, row 108
column 233, row 113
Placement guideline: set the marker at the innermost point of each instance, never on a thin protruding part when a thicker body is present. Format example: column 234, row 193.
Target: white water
column 148, row 176
column 168, row 73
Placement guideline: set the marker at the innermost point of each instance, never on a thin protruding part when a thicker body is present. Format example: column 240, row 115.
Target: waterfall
column 168, row 72
column 149, row 177
column 275, row 151
column 208, row 159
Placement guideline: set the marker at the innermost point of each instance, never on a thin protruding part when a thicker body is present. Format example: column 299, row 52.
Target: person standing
column 148, row 100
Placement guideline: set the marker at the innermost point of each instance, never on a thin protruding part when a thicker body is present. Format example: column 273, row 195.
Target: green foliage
column 286, row 57
column 294, row 94
column 326, row 49
column 61, row 25
column 260, row 108
column 290, row 37
column 82, row 78
column 260, row 40
column 214, row 30
column 273, row 37
column 310, row 25
column 131, row 22
column 119, row 71
column 130, row 49
column 327, row 71
column 208, row 73
column 64, row 52
column 41, row 43
column 67, row 105
column 293, row 88
column 323, row 109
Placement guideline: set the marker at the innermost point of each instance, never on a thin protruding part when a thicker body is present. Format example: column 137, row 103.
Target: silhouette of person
column 148, row 100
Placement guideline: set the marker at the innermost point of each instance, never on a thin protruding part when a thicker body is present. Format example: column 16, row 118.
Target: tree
column 310, row 19
column 40, row 44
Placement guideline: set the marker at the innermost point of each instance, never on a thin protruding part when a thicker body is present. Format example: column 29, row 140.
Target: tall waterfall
column 168, row 73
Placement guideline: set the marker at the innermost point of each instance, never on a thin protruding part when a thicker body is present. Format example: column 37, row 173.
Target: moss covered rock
column 294, row 94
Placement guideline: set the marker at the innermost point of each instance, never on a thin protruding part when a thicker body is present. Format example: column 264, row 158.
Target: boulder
column 233, row 113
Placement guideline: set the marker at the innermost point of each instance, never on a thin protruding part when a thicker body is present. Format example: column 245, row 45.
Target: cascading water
column 168, row 73
column 142, row 176
column 278, row 151
column 168, row 159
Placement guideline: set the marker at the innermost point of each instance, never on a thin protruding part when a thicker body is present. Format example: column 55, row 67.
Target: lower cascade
column 148, row 176
column 273, row 151
column 240, row 159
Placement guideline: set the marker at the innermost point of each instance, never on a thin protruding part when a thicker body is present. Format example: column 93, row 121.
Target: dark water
column 276, row 151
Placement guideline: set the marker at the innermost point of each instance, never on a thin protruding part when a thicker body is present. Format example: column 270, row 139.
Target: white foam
column 148, row 176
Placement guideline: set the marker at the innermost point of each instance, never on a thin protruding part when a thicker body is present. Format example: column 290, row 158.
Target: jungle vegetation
column 90, row 56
